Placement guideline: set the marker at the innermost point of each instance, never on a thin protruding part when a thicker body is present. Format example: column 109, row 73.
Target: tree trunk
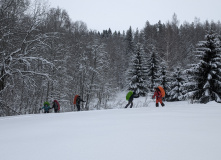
column 2, row 80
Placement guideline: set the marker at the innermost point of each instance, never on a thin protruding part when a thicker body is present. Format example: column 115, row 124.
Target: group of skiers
column 159, row 93
column 56, row 105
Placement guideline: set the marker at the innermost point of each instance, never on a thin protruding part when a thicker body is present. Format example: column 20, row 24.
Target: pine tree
column 206, row 75
column 137, row 72
column 176, row 92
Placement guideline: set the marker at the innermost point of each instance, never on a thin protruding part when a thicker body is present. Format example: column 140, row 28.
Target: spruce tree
column 153, row 67
column 177, row 81
column 165, row 79
column 137, row 72
column 129, row 42
column 129, row 47
column 206, row 75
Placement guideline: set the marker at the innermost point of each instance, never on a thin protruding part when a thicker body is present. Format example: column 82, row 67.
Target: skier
column 78, row 101
column 130, row 101
column 158, row 95
column 46, row 107
column 56, row 106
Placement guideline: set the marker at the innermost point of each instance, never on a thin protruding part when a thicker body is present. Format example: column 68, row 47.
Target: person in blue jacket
column 46, row 107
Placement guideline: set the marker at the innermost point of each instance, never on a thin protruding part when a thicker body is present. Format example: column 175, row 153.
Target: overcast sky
column 119, row 15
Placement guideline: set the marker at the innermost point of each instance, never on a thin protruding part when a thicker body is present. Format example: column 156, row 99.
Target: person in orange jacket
column 158, row 96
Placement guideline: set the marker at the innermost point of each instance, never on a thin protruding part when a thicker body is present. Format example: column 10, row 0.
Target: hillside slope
column 179, row 131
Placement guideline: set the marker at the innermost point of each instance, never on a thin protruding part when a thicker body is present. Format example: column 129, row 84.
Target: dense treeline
column 44, row 55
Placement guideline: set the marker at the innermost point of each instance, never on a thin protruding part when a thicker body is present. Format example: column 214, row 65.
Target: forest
column 45, row 55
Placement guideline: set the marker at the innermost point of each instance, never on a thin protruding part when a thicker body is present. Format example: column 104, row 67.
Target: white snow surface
column 178, row 131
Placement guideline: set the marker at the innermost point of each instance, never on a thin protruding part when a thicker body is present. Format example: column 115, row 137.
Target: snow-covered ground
column 178, row 131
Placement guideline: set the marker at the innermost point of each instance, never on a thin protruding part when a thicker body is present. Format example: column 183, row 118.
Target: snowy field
column 178, row 131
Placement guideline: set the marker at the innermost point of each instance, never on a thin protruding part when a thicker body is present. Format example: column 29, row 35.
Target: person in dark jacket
column 158, row 96
column 78, row 101
column 56, row 106
column 130, row 101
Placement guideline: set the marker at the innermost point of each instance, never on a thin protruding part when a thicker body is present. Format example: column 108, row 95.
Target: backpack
column 75, row 99
column 129, row 95
column 161, row 90
column 46, row 103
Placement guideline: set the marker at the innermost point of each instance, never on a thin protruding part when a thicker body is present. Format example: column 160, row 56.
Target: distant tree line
column 44, row 55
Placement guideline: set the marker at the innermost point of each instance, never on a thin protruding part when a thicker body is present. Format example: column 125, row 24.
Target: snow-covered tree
column 94, row 68
column 129, row 46
column 21, row 66
column 129, row 42
column 137, row 72
column 165, row 78
column 206, row 75
column 177, row 81
column 153, row 67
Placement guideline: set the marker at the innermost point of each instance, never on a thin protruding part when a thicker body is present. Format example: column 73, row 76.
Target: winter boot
column 157, row 105
column 131, row 105
column 162, row 104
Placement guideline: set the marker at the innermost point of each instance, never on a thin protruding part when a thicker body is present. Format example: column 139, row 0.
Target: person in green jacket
column 130, row 101
column 46, row 107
